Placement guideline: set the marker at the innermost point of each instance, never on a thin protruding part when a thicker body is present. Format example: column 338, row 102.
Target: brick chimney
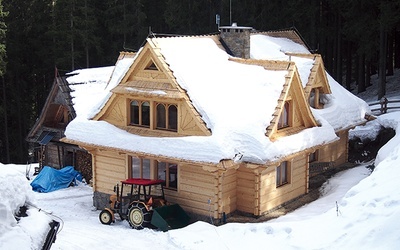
column 236, row 39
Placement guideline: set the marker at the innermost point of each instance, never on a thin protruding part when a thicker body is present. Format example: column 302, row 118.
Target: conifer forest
column 356, row 39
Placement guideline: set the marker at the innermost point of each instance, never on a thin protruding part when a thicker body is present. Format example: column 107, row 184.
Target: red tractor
column 143, row 205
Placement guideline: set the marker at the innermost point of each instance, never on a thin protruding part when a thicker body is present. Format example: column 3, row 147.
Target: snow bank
column 29, row 232
column 15, row 192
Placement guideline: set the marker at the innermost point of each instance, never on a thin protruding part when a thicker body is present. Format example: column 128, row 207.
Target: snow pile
column 28, row 232
column 342, row 109
column 11, row 183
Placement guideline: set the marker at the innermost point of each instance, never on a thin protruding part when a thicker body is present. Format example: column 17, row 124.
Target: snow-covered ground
column 358, row 210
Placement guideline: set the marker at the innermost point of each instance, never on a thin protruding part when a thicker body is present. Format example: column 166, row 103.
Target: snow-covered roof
column 86, row 86
column 341, row 110
column 235, row 100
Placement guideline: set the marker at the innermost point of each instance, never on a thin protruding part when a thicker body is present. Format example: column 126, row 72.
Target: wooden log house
column 151, row 112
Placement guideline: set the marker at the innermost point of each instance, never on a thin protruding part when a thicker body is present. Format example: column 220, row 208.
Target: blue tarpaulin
column 50, row 179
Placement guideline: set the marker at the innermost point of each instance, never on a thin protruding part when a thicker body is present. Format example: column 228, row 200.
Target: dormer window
column 284, row 119
column 140, row 113
column 154, row 115
column 167, row 117
column 315, row 99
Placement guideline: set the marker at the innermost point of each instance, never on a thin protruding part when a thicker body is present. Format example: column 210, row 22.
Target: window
column 169, row 173
column 167, row 117
column 282, row 174
column 151, row 66
column 284, row 117
column 140, row 113
column 315, row 99
column 140, row 168
column 313, row 157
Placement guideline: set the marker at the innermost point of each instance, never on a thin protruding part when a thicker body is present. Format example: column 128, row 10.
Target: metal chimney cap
column 235, row 27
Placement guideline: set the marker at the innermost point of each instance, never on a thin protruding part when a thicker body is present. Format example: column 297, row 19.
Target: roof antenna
column 151, row 33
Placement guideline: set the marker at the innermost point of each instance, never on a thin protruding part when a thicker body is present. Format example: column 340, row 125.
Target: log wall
column 109, row 168
column 197, row 190
column 209, row 193
column 52, row 156
column 272, row 196
column 247, row 190
column 227, row 195
column 336, row 152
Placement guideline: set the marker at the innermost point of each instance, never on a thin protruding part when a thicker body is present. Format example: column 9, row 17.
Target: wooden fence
column 382, row 106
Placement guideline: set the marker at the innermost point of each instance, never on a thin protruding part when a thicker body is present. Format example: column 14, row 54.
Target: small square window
column 282, row 174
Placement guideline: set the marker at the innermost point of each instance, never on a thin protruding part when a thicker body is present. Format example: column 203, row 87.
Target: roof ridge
column 267, row 64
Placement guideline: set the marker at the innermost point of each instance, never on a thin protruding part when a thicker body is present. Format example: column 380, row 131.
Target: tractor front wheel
column 105, row 217
column 138, row 216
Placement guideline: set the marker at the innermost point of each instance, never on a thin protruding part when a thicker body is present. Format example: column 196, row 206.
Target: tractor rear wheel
column 138, row 216
column 105, row 217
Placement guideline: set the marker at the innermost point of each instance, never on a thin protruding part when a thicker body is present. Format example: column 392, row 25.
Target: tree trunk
column 339, row 50
column 87, row 35
column 72, row 37
column 349, row 65
column 382, row 62
column 6, row 141
column 368, row 73
column 397, row 48
column 361, row 73
column 390, row 50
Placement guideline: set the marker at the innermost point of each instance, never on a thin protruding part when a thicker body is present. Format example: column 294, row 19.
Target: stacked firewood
column 84, row 163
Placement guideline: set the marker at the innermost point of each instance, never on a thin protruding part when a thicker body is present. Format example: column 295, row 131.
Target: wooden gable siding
column 317, row 77
column 154, row 85
column 301, row 116
column 118, row 114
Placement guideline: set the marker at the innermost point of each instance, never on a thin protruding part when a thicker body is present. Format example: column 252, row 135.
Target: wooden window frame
column 283, row 174
column 285, row 116
column 142, row 165
column 151, row 66
column 167, row 116
column 171, row 118
column 171, row 169
column 313, row 157
column 141, row 111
